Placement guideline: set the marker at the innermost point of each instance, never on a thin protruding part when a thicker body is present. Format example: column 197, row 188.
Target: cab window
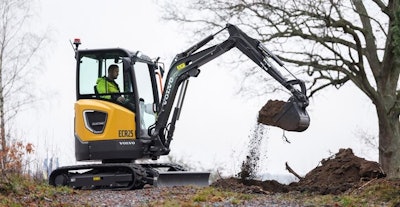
column 94, row 67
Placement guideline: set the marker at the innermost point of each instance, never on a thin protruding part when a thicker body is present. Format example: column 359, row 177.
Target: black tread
column 140, row 175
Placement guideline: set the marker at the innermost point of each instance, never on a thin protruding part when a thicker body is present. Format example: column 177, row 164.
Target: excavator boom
column 291, row 117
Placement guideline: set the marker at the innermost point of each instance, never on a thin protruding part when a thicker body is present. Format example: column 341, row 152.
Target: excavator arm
column 186, row 65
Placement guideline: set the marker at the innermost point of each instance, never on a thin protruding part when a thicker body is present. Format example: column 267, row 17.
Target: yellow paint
column 96, row 178
column 181, row 66
column 118, row 118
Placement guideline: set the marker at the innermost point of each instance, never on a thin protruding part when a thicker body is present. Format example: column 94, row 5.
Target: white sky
column 215, row 123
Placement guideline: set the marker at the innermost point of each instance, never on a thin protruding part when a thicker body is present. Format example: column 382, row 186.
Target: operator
column 107, row 84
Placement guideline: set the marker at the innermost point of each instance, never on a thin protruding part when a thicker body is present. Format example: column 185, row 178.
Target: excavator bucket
column 182, row 178
column 290, row 116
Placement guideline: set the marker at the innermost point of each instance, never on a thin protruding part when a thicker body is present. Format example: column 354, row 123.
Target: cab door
column 147, row 93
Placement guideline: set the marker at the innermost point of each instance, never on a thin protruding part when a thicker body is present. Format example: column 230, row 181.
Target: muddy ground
column 334, row 175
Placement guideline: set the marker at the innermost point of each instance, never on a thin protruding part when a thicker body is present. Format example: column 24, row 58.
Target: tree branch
column 325, row 29
column 288, row 168
column 382, row 6
column 371, row 48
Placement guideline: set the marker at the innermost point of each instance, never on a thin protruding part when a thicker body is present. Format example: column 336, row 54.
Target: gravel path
column 149, row 196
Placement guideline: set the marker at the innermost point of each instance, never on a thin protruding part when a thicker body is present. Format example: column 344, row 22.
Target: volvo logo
column 168, row 90
column 125, row 143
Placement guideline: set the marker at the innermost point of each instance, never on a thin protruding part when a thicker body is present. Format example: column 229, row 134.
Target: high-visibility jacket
column 105, row 85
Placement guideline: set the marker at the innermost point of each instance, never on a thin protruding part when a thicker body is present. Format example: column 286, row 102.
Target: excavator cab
column 106, row 128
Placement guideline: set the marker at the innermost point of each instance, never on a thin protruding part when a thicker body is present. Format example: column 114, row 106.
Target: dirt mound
column 339, row 173
column 335, row 175
column 236, row 185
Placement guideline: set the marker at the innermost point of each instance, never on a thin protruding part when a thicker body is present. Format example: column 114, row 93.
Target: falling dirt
column 335, row 175
column 250, row 165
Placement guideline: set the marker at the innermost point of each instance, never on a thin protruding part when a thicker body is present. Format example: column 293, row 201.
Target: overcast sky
column 216, row 123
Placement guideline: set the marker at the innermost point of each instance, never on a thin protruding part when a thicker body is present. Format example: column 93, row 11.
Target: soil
column 267, row 113
column 335, row 175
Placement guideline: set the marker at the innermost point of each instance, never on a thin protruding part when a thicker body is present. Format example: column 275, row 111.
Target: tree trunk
column 387, row 108
column 387, row 99
column 3, row 143
column 389, row 142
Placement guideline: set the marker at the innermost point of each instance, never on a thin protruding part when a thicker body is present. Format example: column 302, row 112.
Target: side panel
column 116, row 150
column 105, row 131
column 97, row 120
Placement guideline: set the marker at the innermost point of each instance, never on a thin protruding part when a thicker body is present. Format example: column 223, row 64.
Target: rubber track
column 141, row 176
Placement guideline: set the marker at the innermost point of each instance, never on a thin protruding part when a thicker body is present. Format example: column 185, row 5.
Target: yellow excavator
column 127, row 137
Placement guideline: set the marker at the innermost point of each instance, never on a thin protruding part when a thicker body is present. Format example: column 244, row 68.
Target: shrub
column 12, row 158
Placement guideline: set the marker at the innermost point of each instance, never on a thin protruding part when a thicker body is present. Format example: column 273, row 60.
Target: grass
column 17, row 190
column 375, row 193
column 204, row 195
column 217, row 195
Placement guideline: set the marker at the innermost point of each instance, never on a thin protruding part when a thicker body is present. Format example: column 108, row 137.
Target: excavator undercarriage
column 126, row 176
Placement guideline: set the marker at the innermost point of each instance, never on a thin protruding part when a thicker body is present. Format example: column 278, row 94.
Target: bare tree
column 333, row 41
column 18, row 46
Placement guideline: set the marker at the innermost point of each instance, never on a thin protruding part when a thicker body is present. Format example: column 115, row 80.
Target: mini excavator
column 126, row 137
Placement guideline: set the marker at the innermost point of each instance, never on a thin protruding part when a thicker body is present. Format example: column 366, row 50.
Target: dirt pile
column 335, row 175
column 339, row 173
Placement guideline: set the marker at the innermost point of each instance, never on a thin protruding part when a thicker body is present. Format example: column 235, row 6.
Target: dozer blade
column 182, row 178
column 289, row 115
